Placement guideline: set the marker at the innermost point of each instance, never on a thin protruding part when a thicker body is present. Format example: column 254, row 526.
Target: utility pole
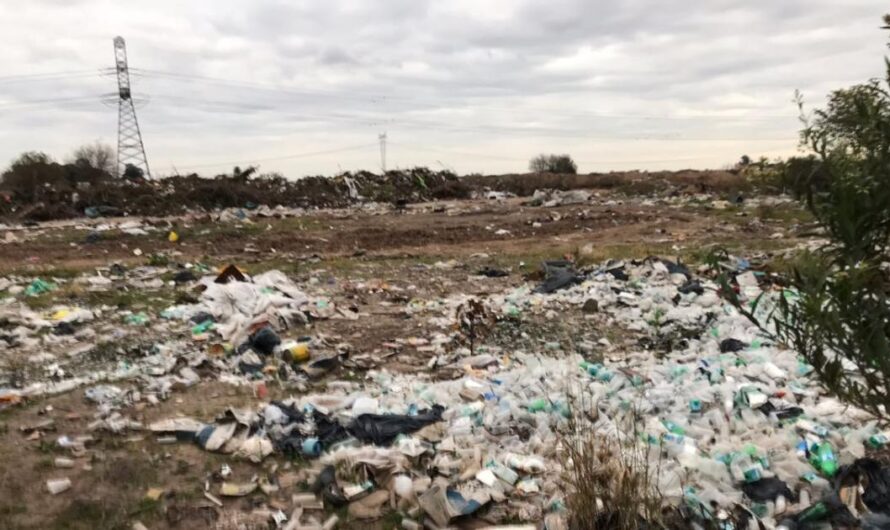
column 130, row 149
column 382, row 138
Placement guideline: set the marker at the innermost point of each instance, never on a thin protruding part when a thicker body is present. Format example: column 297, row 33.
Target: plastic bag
column 382, row 429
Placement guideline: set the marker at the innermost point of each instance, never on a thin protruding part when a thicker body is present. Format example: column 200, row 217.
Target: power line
column 376, row 97
column 377, row 120
column 574, row 113
column 49, row 76
column 274, row 158
column 48, row 101
column 253, row 85
column 516, row 159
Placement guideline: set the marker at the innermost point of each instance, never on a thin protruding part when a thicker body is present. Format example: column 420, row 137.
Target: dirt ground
column 406, row 255
column 426, row 231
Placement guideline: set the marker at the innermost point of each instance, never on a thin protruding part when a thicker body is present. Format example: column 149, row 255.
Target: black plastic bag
column 184, row 276
column 732, row 345
column 293, row 414
column 782, row 414
column 328, row 431
column 326, row 484
column 691, row 286
column 264, row 341
column 767, row 489
column 676, row 268
column 492, row 273
column 876, row 484
column 382, row 429
column 558, row 277
column 619, row 274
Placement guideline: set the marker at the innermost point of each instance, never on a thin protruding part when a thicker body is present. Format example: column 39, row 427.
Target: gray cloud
column 478, row 85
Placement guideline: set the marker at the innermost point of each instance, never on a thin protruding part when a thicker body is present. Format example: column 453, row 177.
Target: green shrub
column 835, row 311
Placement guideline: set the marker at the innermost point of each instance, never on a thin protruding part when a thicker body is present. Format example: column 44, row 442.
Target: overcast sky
column 305, row 87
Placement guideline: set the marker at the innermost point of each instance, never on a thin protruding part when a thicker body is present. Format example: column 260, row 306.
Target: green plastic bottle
column 822, row 457
column 878, row 440
column 816, row 512
column 673, row 427
column 537, row 405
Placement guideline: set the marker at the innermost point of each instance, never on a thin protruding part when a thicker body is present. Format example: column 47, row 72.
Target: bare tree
column 97, row 156
column 553, row 164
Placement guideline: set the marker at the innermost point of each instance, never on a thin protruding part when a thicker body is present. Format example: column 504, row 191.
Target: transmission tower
column 130, row 149
column 382, row 138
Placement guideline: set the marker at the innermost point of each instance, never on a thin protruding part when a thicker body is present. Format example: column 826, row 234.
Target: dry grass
column 611, row 485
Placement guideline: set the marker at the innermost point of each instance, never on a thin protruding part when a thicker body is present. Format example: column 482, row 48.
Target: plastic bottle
column 537, row 405
column 409, row 524
column 529, row 464
column 504, row 473
column 822, row 457
column 673, row 427
column 604, row 376
column 744, row 468
column 678, row 445
column 816, row 512
column 695, row 503
column 878, row 440
column 473, row 408
column 809, row 426
column 203, row 327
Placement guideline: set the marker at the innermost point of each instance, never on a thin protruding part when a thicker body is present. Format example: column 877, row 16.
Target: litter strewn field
column 439, row 364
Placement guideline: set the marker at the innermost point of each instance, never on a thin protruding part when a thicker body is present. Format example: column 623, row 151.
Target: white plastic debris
column 56, row 486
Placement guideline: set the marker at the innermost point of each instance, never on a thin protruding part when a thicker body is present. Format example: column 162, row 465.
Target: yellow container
column 299, row 352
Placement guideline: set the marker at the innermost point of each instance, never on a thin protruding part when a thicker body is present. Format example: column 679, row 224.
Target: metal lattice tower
column 130, row 149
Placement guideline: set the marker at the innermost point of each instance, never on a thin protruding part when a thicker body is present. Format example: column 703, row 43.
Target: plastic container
column 311, row 447
column 297, row 352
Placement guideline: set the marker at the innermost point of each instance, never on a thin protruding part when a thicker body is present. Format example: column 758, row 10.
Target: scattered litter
column 58, row 485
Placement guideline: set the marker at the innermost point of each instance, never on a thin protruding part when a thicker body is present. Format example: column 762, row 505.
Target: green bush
column 835, row 310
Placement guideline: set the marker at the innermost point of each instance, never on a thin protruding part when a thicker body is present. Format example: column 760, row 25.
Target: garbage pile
column 551, row 198
column 180, row 194
column 735, row 424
